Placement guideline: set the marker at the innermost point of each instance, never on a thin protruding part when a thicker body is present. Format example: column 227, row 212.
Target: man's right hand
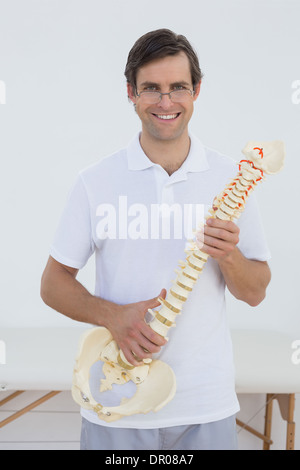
column 132, row 334
column 61, row 291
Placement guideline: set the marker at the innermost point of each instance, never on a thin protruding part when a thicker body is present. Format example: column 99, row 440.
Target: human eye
column 150, row 88
column 180, row 86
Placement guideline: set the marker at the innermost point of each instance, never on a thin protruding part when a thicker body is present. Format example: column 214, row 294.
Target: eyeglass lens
column 176, row 96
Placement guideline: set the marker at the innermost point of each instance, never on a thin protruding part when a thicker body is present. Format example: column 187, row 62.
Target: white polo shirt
column 136, row 219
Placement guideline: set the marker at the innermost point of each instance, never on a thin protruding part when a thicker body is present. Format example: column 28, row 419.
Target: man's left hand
column 218, row 238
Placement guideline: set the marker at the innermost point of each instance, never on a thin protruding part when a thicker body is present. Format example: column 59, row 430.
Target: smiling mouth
column 167, row 117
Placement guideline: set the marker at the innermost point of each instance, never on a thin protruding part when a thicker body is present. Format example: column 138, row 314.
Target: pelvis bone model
column 155, row 380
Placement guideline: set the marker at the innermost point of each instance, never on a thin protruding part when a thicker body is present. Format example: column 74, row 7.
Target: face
column 165, row 120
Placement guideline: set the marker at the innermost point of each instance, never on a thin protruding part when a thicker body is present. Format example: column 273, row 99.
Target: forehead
column 169, row 69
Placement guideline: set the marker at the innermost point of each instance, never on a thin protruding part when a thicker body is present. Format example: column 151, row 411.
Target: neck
column 170, row 154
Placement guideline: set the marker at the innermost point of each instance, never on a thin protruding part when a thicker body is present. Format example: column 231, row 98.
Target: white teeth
column 167, row 116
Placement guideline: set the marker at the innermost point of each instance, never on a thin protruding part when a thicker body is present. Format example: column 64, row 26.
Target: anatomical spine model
column 155, row 380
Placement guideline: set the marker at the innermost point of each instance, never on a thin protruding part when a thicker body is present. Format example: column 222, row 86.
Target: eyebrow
column 157, row 85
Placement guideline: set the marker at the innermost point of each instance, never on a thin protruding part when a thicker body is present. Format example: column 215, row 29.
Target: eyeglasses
column 154, row 97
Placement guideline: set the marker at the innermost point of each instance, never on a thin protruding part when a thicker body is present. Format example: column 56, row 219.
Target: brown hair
column 156, row 45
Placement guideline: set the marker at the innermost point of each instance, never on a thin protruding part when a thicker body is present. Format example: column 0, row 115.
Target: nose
column 165, row 101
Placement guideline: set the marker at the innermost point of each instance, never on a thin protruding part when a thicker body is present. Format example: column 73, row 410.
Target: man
column 163, row 165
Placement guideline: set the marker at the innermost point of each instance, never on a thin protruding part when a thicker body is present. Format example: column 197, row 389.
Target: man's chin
column 166, row 135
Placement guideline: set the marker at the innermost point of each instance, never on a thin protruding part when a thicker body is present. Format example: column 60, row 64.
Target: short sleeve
column 73, row 244
column 253, row 243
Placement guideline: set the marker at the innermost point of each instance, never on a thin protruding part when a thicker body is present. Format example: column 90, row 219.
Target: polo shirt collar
column 195, row 161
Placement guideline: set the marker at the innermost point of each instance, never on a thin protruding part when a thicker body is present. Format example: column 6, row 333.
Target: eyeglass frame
column 192, row 92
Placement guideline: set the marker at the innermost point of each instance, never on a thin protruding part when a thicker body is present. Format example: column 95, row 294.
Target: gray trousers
column 218, row 435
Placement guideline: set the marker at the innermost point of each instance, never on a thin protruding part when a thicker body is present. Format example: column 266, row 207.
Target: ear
column 130, row 93
column 197, row 90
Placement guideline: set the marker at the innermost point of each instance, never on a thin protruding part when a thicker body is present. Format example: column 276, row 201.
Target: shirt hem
column 201, row 419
